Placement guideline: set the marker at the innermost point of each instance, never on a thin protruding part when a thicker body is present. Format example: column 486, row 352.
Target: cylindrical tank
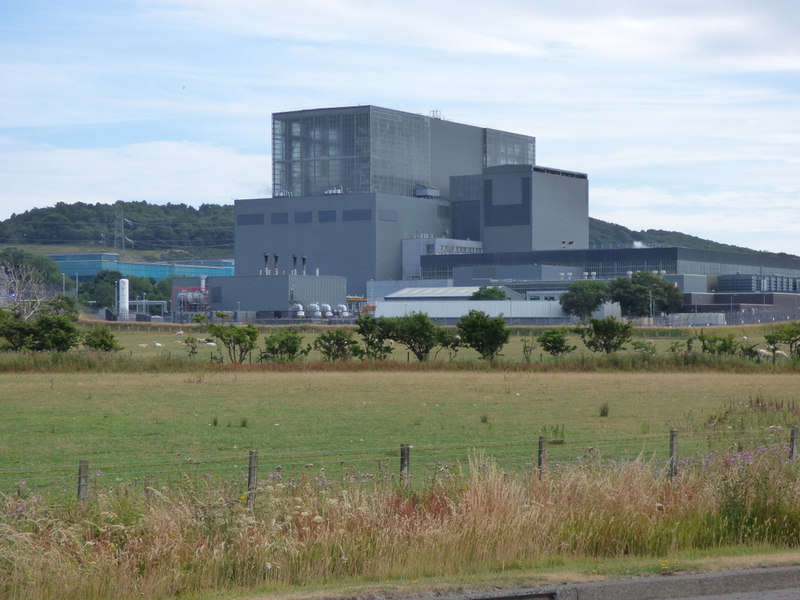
column 124, row 299
column 326, row 311
column 297, row 310
column 312, row 311
column 342, row 311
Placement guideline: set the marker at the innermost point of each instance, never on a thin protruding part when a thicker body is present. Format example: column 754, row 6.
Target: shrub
column 605, row 335
column 555, row 342
column 101, row 338
column 487, row 335
column 337, row 345
column 375, row 333
column 285, row 345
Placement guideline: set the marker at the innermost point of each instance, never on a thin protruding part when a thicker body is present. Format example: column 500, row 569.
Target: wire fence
column 410, row 462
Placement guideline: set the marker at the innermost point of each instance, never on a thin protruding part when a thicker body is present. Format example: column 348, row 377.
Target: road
column 770, row 583
column 784, row 594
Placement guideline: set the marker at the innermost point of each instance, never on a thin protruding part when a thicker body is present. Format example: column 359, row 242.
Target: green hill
column 178, row 231
column 602, row 233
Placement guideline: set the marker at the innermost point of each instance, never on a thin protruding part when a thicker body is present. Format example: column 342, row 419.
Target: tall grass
column 178, row 362
column 309, row 531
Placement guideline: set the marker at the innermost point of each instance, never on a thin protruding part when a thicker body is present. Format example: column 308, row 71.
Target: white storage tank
column 124, row 299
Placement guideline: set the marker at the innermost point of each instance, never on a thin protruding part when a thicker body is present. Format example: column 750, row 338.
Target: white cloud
column 755, row 220
column 678, row 111
column 158, row 172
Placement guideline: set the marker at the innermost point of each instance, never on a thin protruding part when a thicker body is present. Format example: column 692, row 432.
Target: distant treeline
column 193, row 232
column 208, row 230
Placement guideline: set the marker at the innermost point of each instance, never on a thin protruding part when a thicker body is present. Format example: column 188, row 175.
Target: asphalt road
column 785, row 594
column 770, row 583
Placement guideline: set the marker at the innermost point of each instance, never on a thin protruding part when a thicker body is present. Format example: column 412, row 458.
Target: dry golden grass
column 309, row 533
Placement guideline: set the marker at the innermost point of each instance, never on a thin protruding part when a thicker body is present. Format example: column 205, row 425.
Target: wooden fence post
column 793, row 443
column 541, row 457
column 83, row 480
column 673, row 452
column 252, row 477
column 404, row 459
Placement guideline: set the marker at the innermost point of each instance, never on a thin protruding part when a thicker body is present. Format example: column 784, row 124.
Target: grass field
column 168, row 514
column 129, row 423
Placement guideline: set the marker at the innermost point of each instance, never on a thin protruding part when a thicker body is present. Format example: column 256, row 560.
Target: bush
column 487, row 335
column 375, row 333
column 46, row 332
column 605, row 335
column 284, row 346
column 555, row 342
column 337, row 345
column 416, row 331
column 101, row 338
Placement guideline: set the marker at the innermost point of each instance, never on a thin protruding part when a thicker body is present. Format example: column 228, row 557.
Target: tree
column 447, row 340
column 101, row 338
column 789, row 334
column 337, row 344
column 416, row 332
column 607, row 335
column 238, row 341
column 555, row 342
column 285, row 345
column 27, row 289
column 488, row 293
column 483, row 333
column 584, row 297
column 644, row 290
column 375, row 333
column 102, row 289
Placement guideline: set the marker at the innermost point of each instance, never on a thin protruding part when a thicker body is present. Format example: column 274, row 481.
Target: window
column 280, row 218
column 357, row 214
column 327, row 216
column 303, row 216
column 250, row 219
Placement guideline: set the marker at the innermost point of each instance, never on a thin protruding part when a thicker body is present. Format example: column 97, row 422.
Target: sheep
column 781, row 354
column 763, row 353
column 179, row 332
column 142, row 345
column 211, row 344
column 157, row 344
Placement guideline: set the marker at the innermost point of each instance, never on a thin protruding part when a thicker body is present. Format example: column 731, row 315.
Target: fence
column 369, row 466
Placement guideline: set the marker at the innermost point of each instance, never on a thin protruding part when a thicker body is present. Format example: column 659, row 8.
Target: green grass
column 131, row 422
column 328, row 442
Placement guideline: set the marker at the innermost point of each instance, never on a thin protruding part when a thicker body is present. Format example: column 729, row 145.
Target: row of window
column 307, row 216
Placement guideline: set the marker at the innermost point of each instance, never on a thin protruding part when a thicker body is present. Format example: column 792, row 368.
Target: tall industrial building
column 350, row 184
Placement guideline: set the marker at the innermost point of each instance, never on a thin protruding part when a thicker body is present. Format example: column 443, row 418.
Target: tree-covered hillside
column 604, row 234
column 171, row 230
column 178, row 231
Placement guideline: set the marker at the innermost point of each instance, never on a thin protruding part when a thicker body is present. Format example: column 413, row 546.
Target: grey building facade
column 358, row 236
column 262, row 297
column 350, row 183
column 365, row 149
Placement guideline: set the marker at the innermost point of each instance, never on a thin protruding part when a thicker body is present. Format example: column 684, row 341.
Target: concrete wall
column 439, row 309
column 506, row 209
column 268, row 293
column 560, row 210
column 456, row 149
column 362, row 243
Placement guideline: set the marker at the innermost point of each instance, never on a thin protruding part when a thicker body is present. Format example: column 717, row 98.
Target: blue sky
column 684, row 114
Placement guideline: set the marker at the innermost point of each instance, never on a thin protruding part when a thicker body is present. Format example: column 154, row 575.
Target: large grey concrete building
column 350, row 184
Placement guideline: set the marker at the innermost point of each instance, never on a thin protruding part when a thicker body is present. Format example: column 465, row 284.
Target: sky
column 685, row 115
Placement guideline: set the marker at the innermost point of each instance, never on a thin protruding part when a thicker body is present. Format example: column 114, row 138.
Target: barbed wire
column 280, row 465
